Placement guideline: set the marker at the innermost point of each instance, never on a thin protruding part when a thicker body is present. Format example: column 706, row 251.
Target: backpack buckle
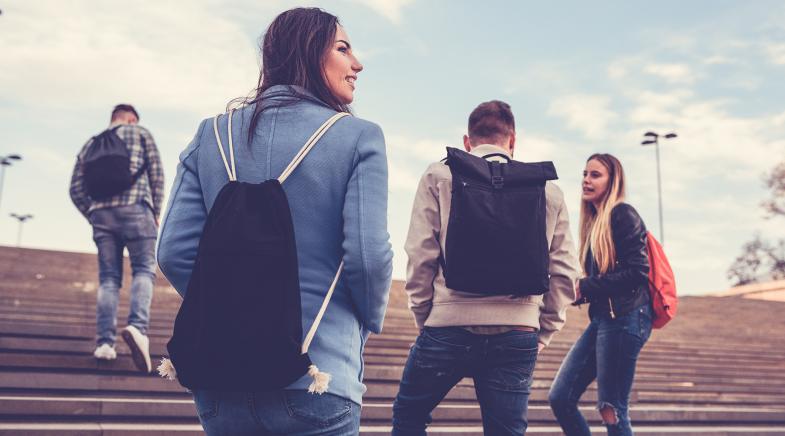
column 497, row 179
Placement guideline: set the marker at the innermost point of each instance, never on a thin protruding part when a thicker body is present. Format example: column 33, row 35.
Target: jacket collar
column 287, row 92
column 484, row 149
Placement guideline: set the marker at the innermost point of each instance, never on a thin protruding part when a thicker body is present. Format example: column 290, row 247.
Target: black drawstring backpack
column 107, row 166
column 239, row 326
column 496, row 243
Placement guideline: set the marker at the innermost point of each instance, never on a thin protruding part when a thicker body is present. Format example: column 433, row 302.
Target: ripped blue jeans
column 501, row 366
column 607, row 351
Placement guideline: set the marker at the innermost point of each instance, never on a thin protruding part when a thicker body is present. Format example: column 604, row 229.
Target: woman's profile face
column 341, row 67
column 595, row 182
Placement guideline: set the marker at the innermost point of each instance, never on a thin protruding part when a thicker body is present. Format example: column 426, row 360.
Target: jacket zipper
column 610, row 305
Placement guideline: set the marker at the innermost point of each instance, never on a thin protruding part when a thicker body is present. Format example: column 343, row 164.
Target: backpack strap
column 144, row 166
column 295, row 162
column 309, row 144
column 318, row 319
column 233, row 171
column 497, row 155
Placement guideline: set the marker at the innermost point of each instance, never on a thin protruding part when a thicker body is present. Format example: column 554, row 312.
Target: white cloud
column 390, row 9
column 161, row 60
column 672, row 73
column 719, row 60
column 657, row 108
column 539, row 76
column 620, row 68
column 617, row 70
column 407, row 159
column 589, row 114
column 775, row 52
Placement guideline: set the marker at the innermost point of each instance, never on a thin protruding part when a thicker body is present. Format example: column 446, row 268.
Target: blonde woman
column 616, row 266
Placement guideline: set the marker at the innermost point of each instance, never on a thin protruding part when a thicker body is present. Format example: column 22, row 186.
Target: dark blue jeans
column 281, row 412
column 608, row 351
column 501, row 366
column 114, row 230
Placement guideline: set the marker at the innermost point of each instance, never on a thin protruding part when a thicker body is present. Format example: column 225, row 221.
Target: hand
column 579, row 298
column 540, row 347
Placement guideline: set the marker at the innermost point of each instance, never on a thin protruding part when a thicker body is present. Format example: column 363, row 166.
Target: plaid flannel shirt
column 148, row 188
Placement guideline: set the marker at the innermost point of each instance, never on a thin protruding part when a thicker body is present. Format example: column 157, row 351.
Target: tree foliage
column 761, row 258
column 775, row 181
column 758, row 258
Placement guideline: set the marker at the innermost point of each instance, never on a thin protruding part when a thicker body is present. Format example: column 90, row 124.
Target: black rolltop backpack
column 239, row 327
column 496, row 243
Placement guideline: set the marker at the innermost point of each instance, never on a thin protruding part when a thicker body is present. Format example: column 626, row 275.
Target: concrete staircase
column 718, row 369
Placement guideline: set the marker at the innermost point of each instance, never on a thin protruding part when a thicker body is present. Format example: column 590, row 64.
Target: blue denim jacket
column 338, row 199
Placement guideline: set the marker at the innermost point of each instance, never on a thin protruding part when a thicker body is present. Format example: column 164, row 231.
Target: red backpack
column 662, row 284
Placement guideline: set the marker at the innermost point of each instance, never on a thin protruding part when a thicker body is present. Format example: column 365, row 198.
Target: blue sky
column 581, row 78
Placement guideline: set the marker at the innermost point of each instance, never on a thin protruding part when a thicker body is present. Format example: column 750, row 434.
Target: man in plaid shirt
column 126, row 220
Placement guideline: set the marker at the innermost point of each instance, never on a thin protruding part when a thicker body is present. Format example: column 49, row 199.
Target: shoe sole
column 136, row 353
column 105, row 358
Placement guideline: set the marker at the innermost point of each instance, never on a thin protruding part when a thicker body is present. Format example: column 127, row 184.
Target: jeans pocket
column 513, row 377
column 447, row 336
column 207, row 403
column 320, row 411
column 512, row 357
column 517, row 340
column 138, row 222
column 437, row 353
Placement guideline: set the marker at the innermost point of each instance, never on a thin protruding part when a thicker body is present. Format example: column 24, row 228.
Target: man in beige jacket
column 493, row 339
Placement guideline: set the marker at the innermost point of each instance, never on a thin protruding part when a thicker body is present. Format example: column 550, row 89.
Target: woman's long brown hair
column 293, row 53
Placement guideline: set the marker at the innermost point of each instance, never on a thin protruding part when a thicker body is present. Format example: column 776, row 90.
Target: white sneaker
column 140, row 347
column 105, row 352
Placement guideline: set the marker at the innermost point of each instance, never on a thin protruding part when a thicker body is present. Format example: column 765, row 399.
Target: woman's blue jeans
column 607, row 351
column 282, row 412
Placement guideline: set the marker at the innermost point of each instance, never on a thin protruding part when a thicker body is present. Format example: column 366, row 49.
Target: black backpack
column 496, row 243
column 239, row 327
column 107, row 166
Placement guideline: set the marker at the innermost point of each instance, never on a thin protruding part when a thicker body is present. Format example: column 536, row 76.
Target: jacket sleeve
column 77, row 190
column 367, row 250
column 423, row 249
column 632, row 262
column 563, row 268
column 155, row 171
column 184, row 221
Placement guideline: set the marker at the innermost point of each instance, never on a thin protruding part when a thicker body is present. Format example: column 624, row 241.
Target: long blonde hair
column 595, row 223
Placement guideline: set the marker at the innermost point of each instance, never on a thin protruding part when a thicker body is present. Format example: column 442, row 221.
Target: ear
column 467, row 143
column 512, row 144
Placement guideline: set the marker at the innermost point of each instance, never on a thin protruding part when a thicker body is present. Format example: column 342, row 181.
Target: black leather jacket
column 626, row 287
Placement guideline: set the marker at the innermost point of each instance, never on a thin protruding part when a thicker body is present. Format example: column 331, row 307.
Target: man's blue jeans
column 115, row 229
column 608, row 351
column 501, row 366
column 283, row 412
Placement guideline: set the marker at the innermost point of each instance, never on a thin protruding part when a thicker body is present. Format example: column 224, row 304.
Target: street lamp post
column 6, row 161
column 22, row 219
column 654, row 138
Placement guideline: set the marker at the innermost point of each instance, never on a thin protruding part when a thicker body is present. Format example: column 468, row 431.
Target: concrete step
column 102, row 408
column 131, row 429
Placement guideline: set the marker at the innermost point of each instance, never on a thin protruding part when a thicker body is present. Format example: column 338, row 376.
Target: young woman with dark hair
column 338, row 202
column 615, row 263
